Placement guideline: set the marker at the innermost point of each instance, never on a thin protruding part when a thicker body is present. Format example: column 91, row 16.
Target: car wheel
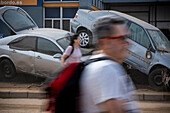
column 86, row 38
column 156, row 80
column 7, row 69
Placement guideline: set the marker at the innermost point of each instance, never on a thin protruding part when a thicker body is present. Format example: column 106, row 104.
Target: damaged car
column 150, row 49
column 32, row 50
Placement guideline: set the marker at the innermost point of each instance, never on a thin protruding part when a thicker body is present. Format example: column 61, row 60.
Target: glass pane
column 160, row 40
column 18, row 20
column 139, row 35
column 23, row 43
column 69, row 12
column 66, row 25
column 52, row 12
column 48, row 23
column 64, row 42
column 57, row 24
column 47, row 47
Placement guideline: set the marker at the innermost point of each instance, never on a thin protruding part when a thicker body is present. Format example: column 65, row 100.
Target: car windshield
column 18, row 20
column 64, row 43
column 160, row 40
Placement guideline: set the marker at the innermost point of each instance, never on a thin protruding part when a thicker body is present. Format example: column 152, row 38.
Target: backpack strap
column 70, row 53
column 95, row 60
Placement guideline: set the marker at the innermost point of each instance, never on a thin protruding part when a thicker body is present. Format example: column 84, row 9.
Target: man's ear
column 103, row 43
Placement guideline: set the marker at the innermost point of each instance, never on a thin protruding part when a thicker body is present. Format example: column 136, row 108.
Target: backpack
column 63, row 90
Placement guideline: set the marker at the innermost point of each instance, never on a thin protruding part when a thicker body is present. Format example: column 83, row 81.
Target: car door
column 45, row 63
column 22, row 53
column 140, row 43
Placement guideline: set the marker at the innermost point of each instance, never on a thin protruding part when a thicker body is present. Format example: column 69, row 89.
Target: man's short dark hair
column 104, row 26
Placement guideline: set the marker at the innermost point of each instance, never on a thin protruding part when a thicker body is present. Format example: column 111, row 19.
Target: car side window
column 138, row 34
column 47, row 47
column 23, row 43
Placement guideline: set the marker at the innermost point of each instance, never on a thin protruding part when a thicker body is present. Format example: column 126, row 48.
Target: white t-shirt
column 104, row 80
column 75, row 56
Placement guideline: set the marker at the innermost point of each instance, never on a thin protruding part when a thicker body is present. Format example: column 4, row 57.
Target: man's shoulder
column 101, row 63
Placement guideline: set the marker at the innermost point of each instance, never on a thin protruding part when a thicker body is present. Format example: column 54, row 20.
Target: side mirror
column 58, row 55
column 148, row 54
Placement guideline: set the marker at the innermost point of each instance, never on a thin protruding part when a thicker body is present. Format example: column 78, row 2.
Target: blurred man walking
column 105, row 87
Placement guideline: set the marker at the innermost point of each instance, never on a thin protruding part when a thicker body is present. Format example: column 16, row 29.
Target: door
column 140, row 44
column 45, row 63
column 22, row 53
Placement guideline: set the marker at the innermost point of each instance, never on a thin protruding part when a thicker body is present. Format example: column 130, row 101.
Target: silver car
column 33, row 50
column 37, row 52
column 150, row 49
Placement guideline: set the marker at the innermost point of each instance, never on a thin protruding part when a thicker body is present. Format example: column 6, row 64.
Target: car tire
column 155, row 80
column 86, row 38
column 7, row 69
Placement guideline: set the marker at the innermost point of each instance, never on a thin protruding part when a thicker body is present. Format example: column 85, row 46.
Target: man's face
column 116, row 48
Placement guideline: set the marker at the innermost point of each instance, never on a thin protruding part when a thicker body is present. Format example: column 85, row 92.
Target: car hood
column 17, row 19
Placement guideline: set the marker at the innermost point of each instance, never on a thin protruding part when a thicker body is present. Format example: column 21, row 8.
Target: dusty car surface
column 150, row 49
column 37, row 54
column 32, row 50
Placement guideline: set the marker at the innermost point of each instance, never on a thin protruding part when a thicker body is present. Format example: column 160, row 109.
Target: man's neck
column 113, row 58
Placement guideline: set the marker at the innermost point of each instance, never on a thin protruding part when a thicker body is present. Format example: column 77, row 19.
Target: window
column 48, row 23
column 47, row 47
column 69, row 12
column 66, row 25
column 56, row 24
column 18, row 20
column 64, row 42
column 160, row 40
column 59, row 17
column 52, row 12
column 23, row 43
column 139, row 35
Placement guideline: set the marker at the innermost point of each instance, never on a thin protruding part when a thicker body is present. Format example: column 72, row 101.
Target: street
column 37, row 105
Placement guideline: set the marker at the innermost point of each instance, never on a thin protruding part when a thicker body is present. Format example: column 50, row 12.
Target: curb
column 151, row 97
column 140, row 96
column 39, row 95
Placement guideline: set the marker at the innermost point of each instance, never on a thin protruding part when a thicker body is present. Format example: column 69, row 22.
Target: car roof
column 49, row 32
column 54, row 34
column 130, row 18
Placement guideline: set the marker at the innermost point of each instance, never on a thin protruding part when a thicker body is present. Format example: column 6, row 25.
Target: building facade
column 57, row 13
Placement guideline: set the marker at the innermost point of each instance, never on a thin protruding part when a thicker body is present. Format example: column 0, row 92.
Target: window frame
column 19, row 40
column 61, row 19
column 143, row 30
column 37, row 50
